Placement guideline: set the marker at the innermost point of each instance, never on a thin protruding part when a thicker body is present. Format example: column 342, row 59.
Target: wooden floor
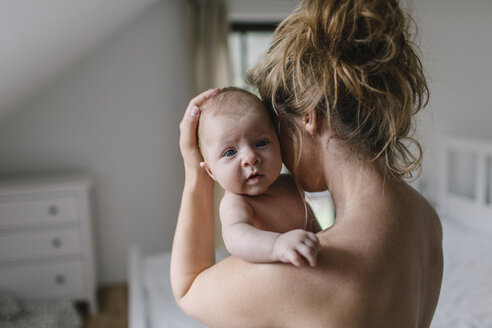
column 113, row 308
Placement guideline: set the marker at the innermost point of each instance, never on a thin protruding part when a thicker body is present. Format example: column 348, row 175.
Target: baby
column 263, row 215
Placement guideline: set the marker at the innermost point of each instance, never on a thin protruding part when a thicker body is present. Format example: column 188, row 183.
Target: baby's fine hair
column 231, row 99
column 354, row 62
column 227, row 100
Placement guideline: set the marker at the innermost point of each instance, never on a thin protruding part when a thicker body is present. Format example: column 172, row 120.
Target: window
column 247, row 43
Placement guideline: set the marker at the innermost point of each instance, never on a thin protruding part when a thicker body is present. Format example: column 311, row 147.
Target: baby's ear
column 204, row 166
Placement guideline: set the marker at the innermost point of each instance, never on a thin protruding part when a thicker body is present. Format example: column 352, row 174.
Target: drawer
column 32, row 244
column 31, row 211
column 44, row 280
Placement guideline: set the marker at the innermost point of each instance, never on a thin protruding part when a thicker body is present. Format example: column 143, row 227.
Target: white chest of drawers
column 46, row 243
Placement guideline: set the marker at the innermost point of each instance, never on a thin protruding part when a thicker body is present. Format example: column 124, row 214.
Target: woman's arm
column 231, row 293
column 193, row 246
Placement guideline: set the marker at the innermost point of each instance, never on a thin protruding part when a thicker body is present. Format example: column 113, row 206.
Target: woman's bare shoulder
column 246, row 296
column 420, row 211
column 285, row 183
column 286, row 178
column 261, row 295
column 279, row 294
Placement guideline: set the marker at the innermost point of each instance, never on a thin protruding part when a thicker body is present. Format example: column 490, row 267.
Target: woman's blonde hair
column 352, row 61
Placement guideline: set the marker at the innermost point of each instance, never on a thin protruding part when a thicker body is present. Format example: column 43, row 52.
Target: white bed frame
column 137, row 315
column 474, row 213
column 466, row 216
column 477, row 210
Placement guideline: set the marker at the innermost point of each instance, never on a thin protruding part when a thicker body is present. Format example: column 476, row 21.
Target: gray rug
column 21, row 313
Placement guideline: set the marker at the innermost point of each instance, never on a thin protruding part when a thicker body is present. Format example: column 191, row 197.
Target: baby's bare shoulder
column 232, row 201
column 234, row 208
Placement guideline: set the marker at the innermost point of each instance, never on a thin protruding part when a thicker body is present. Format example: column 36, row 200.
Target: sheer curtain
column 209, row 30
column 209, row 60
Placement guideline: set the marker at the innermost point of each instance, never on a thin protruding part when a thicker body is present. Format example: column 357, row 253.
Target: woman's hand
column 193, row 245
column 188, row 138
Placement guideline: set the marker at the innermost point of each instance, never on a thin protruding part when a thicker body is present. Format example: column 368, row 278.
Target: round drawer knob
column 56, row 242
column 53, row 210
column 60, row 279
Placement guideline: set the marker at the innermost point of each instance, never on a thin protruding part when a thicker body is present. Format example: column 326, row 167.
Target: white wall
column 456, row 39
column 116, row 116
column 42, row 39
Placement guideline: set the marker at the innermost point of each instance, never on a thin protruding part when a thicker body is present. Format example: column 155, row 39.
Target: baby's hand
column 293, row 246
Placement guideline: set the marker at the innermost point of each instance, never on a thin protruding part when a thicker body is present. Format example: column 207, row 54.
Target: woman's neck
column 351, row 181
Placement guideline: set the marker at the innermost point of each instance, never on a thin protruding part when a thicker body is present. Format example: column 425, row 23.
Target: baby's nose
column 250, row 158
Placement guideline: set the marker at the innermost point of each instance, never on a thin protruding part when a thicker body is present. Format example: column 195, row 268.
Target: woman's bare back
column 380, row 267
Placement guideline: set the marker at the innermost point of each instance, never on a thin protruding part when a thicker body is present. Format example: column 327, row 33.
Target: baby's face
column 241, row 151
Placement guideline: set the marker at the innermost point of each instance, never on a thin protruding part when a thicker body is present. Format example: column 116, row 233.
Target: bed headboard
column 465, row 183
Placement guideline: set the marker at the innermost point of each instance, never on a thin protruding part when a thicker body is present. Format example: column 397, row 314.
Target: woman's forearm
column 193, row 246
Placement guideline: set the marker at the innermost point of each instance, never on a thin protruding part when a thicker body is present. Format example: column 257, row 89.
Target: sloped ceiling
column 39, row 40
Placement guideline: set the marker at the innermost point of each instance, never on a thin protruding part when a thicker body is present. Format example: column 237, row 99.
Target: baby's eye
column 229, row 153
column 261, row 143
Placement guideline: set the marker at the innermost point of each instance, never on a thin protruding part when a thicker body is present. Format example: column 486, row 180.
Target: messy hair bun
column 354, row 62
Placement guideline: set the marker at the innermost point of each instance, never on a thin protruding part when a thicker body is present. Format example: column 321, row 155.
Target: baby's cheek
column 232, row 182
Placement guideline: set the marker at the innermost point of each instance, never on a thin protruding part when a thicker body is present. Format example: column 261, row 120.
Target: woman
column 343, row 83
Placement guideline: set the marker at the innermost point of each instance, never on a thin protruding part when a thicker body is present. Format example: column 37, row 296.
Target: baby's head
column 238, row 142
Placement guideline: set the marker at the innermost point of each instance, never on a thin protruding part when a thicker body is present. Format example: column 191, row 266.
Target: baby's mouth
column 254, row 178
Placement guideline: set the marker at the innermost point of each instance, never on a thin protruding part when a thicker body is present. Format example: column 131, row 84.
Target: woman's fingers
column 192, row 111
column 188, row 128
column 194, row 105
column 189, row 124
column 201, row 98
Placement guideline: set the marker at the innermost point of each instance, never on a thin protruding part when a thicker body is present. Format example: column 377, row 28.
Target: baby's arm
column 245, row 241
